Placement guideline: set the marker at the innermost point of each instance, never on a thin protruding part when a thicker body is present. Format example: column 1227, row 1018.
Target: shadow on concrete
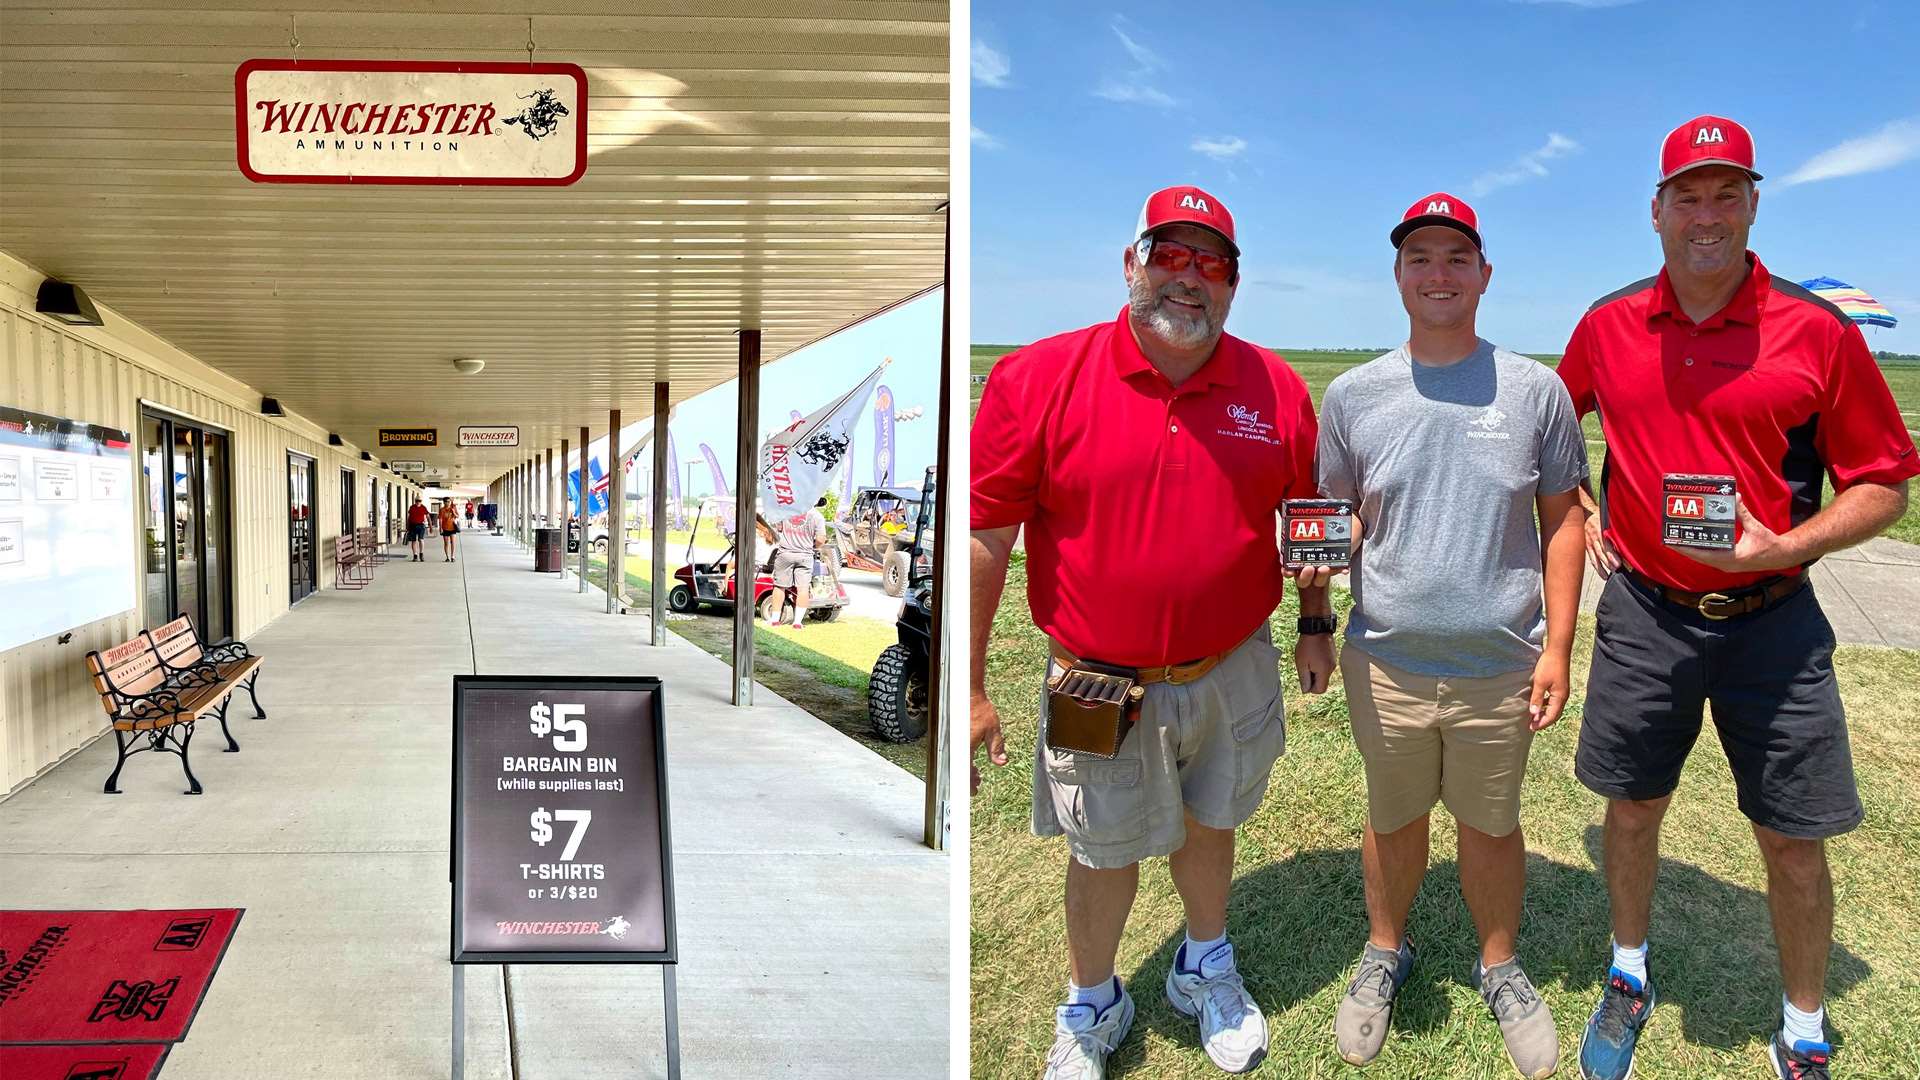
column 1298, row 925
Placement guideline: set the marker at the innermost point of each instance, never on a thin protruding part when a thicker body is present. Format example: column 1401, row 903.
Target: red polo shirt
column 1149, row 510
column 1777, row 390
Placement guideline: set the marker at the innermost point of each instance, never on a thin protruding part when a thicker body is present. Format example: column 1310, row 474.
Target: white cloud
column 1130, row 93
column 1145, row 58
column 990, row 67
column 981, row 139
column 1529, row 166
column 1220, row 147
column 1134, row 86
column 1891, row 145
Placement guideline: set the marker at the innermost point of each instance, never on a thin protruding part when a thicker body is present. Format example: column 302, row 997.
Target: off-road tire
column 894, row 579
column 897, row 696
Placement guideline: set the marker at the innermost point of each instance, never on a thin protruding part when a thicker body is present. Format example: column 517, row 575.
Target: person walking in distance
column 417, row 529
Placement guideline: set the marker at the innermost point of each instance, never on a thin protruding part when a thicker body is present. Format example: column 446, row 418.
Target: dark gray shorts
column 1769, row 680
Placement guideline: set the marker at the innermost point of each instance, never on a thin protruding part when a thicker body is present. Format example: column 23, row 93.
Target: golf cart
column 700, row 584
column 898, row 689
column 599, row 525
column 877, row 532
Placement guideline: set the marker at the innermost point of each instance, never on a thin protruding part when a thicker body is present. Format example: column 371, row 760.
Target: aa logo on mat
column 183, row 934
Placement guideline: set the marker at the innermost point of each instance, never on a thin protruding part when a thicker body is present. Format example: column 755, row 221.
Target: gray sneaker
column 1083, row 1039
column 1360, row 1027
column 1532, row 1043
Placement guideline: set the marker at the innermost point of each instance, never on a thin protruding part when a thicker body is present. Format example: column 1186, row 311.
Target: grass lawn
column 1319, row 369
column 823, row 668
column 1297, row 915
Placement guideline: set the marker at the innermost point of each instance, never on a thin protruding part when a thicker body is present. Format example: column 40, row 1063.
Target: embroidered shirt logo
column 1488, row 423
column 1248, row 425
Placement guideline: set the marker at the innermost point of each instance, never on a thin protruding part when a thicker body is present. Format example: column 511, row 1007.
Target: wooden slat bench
column 158, row 685
column 352, row 562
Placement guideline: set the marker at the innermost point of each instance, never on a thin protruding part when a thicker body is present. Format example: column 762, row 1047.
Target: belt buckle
column 1174, row 678
column 1713, row 598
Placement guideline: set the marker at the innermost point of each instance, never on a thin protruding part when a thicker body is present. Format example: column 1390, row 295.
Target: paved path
column 813, row 925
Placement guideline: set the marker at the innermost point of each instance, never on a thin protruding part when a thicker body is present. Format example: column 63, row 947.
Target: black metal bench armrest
column 227, row 652
column 149, row 706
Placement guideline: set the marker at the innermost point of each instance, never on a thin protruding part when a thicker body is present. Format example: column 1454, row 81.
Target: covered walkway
column 813, row 924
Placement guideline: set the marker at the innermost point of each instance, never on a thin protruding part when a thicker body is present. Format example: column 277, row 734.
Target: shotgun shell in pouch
column 1697, row 511
column 1316, row 532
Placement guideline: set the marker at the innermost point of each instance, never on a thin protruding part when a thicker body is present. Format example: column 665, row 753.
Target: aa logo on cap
column 1190, row 202
column 1440, row 206
column 1707, row 135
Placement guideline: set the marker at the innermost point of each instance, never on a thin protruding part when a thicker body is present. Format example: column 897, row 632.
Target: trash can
column 549, row 551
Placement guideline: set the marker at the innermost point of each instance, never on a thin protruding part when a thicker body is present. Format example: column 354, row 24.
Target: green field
column 1297, row 915
column 1319, row 369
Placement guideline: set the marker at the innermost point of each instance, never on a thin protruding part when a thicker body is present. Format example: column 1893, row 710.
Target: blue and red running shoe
column 1606, row 1050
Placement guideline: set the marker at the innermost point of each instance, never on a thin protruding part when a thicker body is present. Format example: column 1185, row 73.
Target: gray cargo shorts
column 792, row 569
column 1205, row 748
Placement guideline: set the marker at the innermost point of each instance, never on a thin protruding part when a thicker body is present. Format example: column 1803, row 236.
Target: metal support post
column 672, row 998
column 616, row 512
column 662, row 580
column 550, row 484
column 746, row 567
column 459, row 1024
column 566, row 510
column 934, row 829
column 586, row 540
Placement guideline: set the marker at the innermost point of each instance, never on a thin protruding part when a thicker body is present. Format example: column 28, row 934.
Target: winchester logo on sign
column 410, row 122
column 494, row 435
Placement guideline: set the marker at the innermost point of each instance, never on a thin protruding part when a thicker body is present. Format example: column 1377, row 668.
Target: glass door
column 185, row 541
column 300, row 526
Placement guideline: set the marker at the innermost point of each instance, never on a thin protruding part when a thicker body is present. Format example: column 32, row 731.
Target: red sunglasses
column 1173, row 256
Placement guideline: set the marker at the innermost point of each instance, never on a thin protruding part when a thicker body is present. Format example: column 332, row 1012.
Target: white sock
column 1101, row 997
column 1632, row 961
column 1802, row 1026
column 1195, row 951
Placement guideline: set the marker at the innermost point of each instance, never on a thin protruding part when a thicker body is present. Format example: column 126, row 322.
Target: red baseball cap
column 1438, row 208
column 1706, row 140
column 1186, row 205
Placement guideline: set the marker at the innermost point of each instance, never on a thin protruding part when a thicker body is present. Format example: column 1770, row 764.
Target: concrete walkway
column 813, row 925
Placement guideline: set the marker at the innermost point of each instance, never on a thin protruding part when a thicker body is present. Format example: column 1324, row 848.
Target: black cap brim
column 1406, row 228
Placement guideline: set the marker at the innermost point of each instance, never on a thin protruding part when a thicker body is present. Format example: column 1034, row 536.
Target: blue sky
column 1318, row 124
column 811, row 377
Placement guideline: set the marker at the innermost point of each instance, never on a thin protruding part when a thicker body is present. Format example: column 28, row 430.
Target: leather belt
column 1717, row 605
column 1171, row 674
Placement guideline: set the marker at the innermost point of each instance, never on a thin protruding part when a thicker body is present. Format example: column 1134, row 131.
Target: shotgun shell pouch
column 1090, row 708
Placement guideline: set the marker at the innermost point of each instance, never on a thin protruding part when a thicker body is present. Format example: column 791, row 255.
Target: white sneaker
column 1082, row 1040
column 1232, row 1029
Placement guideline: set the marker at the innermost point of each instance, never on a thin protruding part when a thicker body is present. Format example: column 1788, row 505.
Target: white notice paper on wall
column 67, row 545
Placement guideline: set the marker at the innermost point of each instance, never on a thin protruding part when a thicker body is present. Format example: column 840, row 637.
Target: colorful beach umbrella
column 1860, row 307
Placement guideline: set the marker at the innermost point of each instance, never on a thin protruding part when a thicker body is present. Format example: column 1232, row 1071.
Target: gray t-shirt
column 1444, row 464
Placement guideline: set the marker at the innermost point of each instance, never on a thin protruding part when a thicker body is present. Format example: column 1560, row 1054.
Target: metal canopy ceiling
column 781, row 172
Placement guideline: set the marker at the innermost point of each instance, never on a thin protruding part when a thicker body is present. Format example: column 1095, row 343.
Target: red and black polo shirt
column 1777, row 389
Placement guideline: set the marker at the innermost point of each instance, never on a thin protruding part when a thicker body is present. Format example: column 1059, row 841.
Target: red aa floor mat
column 127, row 1061
column 99, row 977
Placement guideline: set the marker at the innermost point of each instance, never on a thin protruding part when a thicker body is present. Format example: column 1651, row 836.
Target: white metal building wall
column 48, row 708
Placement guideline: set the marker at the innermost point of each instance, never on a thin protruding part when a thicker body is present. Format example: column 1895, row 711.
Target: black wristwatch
column 1317, row 624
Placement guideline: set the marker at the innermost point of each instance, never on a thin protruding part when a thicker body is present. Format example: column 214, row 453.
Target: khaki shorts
column 792, row 570
column 1204, row 748
column 1428, row 739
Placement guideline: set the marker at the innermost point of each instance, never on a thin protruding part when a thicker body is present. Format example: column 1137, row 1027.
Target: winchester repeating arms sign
column 410, row 122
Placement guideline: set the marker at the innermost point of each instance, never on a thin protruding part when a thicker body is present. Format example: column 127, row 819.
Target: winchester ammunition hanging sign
column 410, row 122
column 561, row 851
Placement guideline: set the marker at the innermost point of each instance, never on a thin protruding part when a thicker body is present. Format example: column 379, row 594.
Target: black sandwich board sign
column 561, row 850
